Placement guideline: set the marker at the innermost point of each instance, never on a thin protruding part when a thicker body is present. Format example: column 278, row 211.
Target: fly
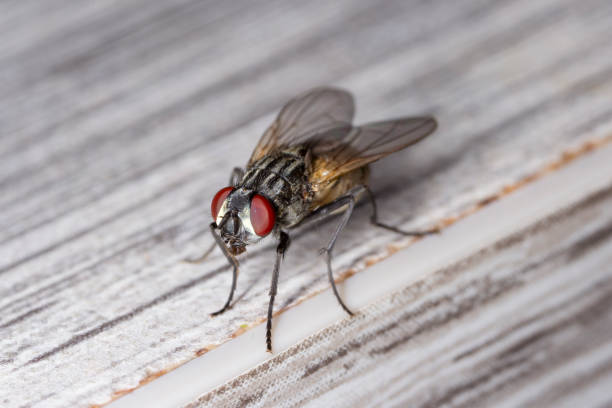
column 309, row 164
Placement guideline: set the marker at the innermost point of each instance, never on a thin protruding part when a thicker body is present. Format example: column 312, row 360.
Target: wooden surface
column 119, row 121
column 520, row 319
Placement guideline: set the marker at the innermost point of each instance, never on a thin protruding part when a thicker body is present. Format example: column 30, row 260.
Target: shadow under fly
column 309, row 164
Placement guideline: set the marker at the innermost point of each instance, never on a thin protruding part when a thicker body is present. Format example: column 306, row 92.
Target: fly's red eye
column 262, row 215
column 218, row 200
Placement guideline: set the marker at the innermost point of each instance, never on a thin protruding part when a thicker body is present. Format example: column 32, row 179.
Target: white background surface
column 120, row 120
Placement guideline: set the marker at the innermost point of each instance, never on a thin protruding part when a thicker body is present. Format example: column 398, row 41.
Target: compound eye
column 218, row 200
column 262, row 215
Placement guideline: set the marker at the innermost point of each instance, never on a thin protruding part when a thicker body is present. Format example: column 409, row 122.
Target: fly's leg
column 374, row 219
column 347, row 201
column 235, row 177
column 283, row 244
column 232, row 260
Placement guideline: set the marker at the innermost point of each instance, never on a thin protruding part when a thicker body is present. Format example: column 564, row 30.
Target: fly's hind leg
column 235, row 177
column 347, row 201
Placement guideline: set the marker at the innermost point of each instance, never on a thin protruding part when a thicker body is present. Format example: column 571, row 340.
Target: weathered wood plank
column 446, row 321
column 523, row 321
column 119, row 121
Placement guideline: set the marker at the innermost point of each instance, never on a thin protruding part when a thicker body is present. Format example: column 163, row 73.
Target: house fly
column 309, row 164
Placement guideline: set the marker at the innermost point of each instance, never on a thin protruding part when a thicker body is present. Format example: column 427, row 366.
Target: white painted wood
column 119, row 121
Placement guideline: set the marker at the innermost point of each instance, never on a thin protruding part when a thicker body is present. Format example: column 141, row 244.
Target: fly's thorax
column 283, row 180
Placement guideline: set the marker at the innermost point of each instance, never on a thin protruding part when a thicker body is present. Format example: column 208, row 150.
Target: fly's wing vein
column 365, row 144
column 319, row 112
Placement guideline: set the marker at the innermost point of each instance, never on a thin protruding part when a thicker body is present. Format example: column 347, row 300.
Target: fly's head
column 242, row 217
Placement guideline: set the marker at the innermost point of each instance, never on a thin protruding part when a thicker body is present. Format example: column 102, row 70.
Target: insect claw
column 322, row 251
column 218, row 312
column 435, row 230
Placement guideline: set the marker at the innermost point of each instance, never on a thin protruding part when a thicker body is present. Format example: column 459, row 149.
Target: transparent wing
column 307, row 116
column 365, row 144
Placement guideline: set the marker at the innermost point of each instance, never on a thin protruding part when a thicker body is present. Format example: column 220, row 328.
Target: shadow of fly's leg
column 346, row 204
column 283, row 244
column 232, row 260
column 235, row 177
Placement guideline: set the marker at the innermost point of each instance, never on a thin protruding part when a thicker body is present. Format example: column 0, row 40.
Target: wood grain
column 524, row 321
column 119, row 121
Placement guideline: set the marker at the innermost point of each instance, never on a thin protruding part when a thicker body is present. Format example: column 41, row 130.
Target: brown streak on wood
column 146, row 380
column 566, row 158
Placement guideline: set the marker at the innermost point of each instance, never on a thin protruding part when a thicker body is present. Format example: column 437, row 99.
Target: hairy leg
column 346, row 204
column 283, row 244
column 232, row 260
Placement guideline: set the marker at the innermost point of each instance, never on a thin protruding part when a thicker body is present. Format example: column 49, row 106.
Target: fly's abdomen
column 282, row 179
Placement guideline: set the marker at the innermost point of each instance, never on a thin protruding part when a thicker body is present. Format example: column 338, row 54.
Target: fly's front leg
column 283, row 244
column 374, row 219
column 232, row 260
